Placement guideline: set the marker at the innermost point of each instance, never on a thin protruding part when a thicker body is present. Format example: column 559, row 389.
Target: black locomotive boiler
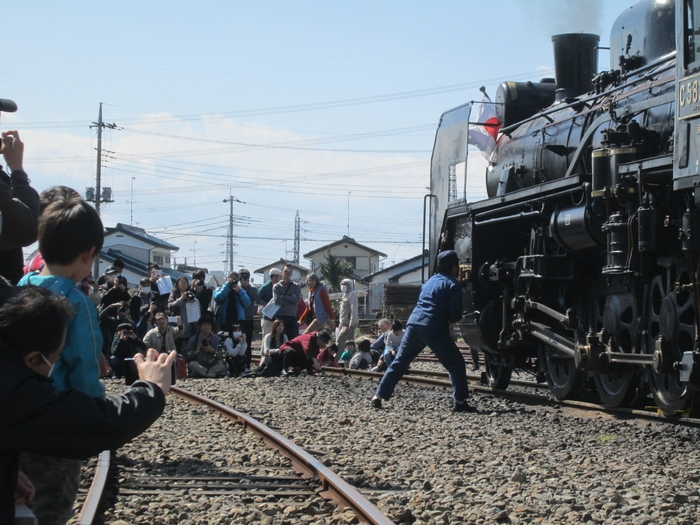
column 582, row 264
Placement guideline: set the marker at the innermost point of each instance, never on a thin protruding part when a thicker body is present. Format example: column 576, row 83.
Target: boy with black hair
column 33, row 417
column 70, row 236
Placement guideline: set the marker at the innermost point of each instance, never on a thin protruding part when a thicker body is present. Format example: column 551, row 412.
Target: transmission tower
column 297, row 238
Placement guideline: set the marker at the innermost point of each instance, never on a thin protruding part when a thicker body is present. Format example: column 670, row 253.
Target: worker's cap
column 448, row 258
column 275, row 271
column 110, row 270
column 324, row 336
column 7, row 105
column 125, row 326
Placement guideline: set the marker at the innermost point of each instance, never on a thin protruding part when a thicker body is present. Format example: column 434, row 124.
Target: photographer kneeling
column 125, row 346
column 34, row 418
column 202, row 352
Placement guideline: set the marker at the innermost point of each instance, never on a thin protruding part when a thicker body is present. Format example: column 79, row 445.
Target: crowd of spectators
column 61, row 331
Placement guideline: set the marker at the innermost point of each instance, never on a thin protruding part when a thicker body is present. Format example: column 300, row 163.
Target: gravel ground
column 508, row 463
column 188, row 441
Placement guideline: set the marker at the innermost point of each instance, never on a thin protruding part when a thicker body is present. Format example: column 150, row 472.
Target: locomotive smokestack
column 575, row 63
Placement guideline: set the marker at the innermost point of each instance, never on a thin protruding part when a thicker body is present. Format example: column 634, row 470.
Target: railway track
column 435, row 379
column 309, row 478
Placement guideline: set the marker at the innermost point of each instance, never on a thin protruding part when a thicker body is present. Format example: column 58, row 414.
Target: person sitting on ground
column 326, row 357
column 346, row 356
column 162, row 337
column 125, row 346
column 273, row 340
column 35, row 418
column 392, row 341
column 236, row 347
column 378, row 346
column 70, row 236
column 202, row 351
column 362, row 360
column 301, row 353
column 141, row 300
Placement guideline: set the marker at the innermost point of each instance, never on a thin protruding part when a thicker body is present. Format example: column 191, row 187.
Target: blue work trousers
column 414, row 340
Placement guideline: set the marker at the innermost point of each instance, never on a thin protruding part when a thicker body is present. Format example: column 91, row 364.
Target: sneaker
column 376, row 402
column 463, row 406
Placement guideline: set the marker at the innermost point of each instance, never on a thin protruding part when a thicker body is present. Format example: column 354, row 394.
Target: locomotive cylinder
column 577, row 228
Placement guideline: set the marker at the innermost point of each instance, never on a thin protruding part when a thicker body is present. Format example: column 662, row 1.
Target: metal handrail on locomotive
column 581, row 266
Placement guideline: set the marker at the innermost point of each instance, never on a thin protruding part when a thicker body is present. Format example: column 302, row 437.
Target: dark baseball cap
column 7, row 105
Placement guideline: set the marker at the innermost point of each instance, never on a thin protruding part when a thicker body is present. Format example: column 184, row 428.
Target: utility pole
column 229, row 242
column 99, row 195
column 297, row 238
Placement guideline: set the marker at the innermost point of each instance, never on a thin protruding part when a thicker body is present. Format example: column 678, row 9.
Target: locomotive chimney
column 575, row 63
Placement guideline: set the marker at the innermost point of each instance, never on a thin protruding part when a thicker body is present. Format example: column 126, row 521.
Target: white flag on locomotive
column 483, row 131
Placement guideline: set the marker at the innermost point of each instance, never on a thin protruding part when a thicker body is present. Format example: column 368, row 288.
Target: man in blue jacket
column 232, row 301
column 439, row 304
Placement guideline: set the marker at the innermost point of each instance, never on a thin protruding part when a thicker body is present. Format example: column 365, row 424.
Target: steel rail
column 333, row 487
column 531, row 398
column 413, row 376
column 94, row 495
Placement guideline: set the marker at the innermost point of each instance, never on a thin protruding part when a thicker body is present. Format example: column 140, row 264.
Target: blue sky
column 290, row 104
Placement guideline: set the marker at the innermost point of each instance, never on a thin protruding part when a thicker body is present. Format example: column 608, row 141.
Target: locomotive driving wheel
column 564, row 381
column 671, row 315
column 497, row 373
column 617, row 315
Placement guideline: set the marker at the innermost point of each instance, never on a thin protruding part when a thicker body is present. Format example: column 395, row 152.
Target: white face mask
column 343, row 288
column 145, row 290
column 237, row 335
column 51, row 365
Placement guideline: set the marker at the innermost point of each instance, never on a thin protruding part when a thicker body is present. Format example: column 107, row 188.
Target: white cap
column 275, row 271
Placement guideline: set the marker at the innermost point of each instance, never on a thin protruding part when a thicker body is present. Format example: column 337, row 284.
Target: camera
column 205, row 343
column 190, row 295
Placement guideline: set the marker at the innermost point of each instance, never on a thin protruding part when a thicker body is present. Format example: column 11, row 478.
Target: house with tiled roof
column 363, row 259
column 136, row 248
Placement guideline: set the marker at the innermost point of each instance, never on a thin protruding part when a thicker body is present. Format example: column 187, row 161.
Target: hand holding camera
column 12, row 149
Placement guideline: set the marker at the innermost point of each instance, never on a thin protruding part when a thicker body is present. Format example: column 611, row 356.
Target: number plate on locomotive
column 688, row 97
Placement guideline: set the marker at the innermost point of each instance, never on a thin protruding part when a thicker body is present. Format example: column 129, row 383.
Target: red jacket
column 304, row 345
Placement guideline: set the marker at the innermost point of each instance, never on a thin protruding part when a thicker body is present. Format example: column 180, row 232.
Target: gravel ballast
column 420, row 463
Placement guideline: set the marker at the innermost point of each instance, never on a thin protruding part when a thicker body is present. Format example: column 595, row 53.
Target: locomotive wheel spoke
column 672, row 316
column 565, row 382
column 619, row 386
column 497, row 374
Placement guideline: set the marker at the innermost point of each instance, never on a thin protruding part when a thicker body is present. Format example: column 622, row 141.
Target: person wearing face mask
column 35, row 418
column 112, row 290
column 348, row 314
column 139, row 302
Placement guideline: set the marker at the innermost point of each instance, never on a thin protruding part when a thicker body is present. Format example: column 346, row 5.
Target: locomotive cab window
column 691, row 30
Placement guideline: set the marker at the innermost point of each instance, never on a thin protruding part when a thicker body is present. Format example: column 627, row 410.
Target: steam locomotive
column 582, row 264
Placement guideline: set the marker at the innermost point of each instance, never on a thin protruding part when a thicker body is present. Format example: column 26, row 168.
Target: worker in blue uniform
column 439, row 304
